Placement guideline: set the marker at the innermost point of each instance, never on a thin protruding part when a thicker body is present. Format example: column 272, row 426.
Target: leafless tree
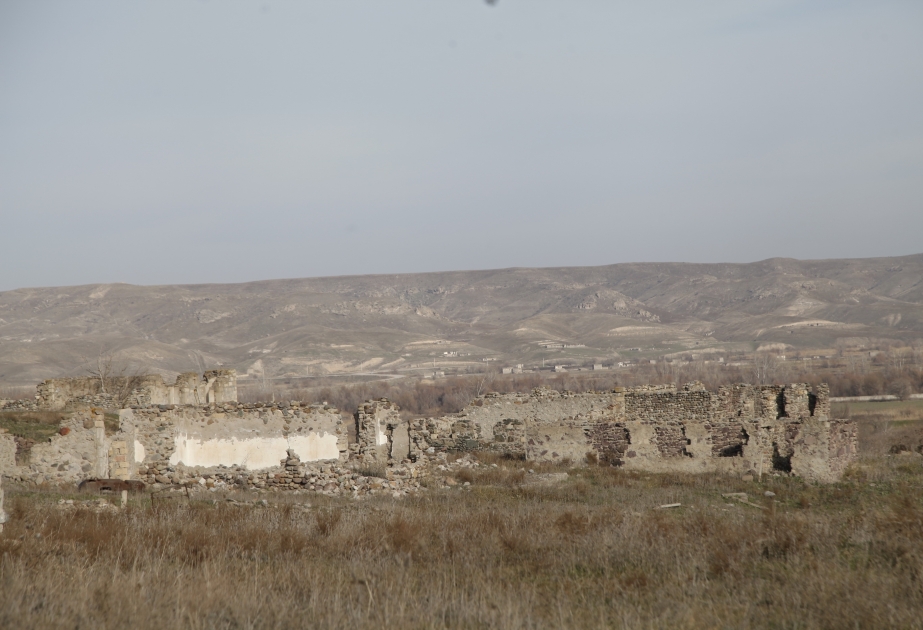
column 483, row 381
column 899, row 357
column 767, row 368
column 100, row 369
column 114, row 377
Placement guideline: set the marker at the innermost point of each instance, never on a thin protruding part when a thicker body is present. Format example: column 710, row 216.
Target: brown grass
column 891, row 427
column 593, row 551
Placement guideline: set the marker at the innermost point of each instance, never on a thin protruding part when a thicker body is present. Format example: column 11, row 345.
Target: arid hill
column 361, row 324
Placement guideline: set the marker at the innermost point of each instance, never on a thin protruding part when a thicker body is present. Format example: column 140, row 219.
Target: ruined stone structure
column 741, row 429
column 215, row 386
column 2, row 513
column 381, row 433
column 153, row 442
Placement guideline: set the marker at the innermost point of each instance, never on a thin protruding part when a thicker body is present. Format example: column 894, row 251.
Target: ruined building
column 742, row 429
column 190, row 388
column 196, row 430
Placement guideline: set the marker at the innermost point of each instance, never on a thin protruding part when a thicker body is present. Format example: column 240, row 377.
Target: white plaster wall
column 252, row 453
column 140, row 452
column 381, row 435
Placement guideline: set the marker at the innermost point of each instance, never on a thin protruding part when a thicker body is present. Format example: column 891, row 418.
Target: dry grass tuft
column 592, row 551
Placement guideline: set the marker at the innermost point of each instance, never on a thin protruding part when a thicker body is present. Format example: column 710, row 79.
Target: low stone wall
column 19, row 405
column 291, row 474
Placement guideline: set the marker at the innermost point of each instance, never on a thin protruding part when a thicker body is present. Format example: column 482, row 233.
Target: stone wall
column 741, row 429
column 156, row 439
column 380, row 431
column 249, row 436
column 19, row 405
column 453, row 435
column 7, row 452
column 69, row 456
column 291, row 474
column 213, row 387
column 2, row 513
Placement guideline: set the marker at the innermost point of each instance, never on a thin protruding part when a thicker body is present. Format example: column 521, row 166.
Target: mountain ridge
column 347, row 324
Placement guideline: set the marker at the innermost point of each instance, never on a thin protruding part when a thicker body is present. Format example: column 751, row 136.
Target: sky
column 179, row 142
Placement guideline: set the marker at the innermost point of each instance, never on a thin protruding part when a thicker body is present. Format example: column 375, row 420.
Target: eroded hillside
column 362, row 324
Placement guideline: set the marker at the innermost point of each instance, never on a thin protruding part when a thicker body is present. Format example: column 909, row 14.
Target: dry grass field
column 594, row 550
column 891, row 427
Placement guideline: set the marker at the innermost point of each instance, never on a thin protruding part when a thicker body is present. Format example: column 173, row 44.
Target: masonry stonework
column 190, row 388
column 742, row 429
column 2, row 513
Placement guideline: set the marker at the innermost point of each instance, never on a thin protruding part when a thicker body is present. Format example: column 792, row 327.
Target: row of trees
column 449, row 395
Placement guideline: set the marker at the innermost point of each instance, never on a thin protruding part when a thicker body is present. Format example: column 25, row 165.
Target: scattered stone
column 740, row 496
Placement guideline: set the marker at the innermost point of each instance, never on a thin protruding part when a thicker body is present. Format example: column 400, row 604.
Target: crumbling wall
column 662, row 408
column 3, row 516
column 221, row 386
column 250, row 436
column 565, row 440
column 7, row 453
column 151, row 440
column 822, row 450
column 728, row 439
column 214, row 387
column 56, row 393
column 450, row 434
column 19, row 405
column 741, row 429
column 608, row 442
column 381, row 433
column 70, row 456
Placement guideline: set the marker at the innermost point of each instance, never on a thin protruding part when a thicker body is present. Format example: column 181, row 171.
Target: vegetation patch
column 597, row 549
column 37, row 426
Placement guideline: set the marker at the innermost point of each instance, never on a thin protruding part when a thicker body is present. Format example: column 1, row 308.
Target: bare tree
column 100, row 369
column 899, row 357
column 767, row 368
column 114, row 377
column 482, row 381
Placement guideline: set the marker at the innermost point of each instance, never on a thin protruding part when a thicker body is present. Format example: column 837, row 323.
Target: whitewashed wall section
column 252, row 438
column 251, row 453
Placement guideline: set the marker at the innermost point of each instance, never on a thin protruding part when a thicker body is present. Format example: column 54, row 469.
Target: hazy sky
column 220, row 141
